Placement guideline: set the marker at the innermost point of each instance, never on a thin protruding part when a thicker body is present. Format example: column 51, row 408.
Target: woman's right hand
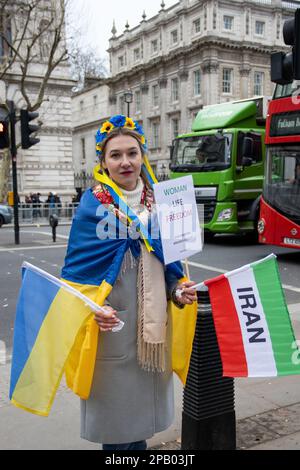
column 107, row 320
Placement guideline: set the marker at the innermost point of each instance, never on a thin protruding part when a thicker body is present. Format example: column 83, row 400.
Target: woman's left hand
column 188, row 295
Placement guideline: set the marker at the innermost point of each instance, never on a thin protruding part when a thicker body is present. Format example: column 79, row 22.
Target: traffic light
column 4, row 127
column 286, row 67
column 27, row 129
column 4, row 135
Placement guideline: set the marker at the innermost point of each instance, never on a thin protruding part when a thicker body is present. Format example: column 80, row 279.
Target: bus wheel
column 253, row 236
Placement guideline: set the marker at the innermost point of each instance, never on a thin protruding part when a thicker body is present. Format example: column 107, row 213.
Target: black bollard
column 53, row 221
column 208, row 418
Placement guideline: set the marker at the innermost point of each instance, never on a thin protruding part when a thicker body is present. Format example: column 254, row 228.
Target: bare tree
column 85, row 64
column 32, row 32
column 32, row 46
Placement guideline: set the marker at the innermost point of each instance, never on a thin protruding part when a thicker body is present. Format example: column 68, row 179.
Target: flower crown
column 118, row 121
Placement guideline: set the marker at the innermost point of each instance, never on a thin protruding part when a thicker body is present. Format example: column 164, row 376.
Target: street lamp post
column 128, row 98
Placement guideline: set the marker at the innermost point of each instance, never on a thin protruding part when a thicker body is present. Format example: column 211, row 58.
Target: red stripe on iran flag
column 228, row 328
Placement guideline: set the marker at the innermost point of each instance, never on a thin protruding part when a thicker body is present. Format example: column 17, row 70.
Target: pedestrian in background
column 131, row 396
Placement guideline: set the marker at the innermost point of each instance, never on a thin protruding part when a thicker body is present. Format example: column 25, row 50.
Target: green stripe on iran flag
column 253, row 326
column 277, row 315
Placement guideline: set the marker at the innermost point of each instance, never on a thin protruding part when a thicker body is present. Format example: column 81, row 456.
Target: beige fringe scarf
column 152, row 301
column 152, row 313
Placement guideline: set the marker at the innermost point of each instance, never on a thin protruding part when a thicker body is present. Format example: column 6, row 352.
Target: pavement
column 267, row 410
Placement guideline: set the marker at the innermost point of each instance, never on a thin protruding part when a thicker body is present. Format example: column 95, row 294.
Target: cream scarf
column 152, row 298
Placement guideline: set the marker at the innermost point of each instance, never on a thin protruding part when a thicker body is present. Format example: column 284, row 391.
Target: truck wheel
column 1, row 221
column 208, row 237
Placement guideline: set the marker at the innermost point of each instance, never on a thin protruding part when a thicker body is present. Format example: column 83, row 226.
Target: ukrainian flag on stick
column 50, row 316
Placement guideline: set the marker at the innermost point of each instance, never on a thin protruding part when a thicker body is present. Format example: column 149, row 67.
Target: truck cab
column 225, row 155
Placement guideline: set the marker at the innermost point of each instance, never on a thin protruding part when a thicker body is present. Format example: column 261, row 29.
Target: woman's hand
column 108, row 320
column 185, row 294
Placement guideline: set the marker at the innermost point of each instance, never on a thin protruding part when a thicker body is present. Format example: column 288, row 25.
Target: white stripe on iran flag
column 259, row 355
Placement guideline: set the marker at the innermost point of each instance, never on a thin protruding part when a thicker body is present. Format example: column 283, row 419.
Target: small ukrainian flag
column 50, row 317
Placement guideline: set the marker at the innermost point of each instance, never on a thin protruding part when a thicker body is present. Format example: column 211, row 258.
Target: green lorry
column 225, row 154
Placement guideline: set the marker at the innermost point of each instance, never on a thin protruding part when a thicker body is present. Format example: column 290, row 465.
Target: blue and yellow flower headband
column 118, row 121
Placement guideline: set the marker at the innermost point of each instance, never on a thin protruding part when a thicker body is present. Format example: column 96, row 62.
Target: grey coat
column 126, row 404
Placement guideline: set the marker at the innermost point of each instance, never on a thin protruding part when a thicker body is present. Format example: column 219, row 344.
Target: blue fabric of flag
column 90, row 260
column 35, row 299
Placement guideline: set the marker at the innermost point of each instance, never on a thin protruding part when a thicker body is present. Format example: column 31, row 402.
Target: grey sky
column 95, row 18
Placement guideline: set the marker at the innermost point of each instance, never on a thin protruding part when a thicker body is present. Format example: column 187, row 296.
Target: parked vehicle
column 6, row 214
column 225, row 155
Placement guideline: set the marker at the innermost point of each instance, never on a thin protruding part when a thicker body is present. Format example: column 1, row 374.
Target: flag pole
column 187, row 270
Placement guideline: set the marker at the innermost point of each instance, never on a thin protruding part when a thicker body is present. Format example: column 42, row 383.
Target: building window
column 174, row 37
column 95, row 98
column 83, row 153
column 137, row 101
column 175, row 128
column 6, row 37
column 121, row 61
column 81, row 104
column 260, row 28
column 227, row 80
column 197, row 26
column 44, row 43
column 155, row 95
column 136, row 54
column 228, row 22
column 197, row 83
column 122, row 104
column 155, row 135
column 174, row 90
column 258, row 83
column 154, row 46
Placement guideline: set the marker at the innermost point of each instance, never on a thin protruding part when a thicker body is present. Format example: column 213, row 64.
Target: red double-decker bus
column 279, row 222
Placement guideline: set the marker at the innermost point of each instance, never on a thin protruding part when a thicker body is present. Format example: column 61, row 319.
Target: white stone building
column 190, row 55
column 47, row 166
column 89, row 107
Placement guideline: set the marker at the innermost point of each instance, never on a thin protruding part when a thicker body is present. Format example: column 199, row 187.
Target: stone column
column 210, row 70
column 163, row 86
column 244, row 87
column 145, row 106
column 183, row 77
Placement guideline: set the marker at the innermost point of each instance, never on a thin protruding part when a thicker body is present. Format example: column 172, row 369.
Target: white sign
column 178, row 218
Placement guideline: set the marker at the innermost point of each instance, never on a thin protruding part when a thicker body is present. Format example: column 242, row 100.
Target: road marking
column 222, row 271
column 28, row 248
column 207, row 268
column 65, row 237
column 292, row 288
column 294, row 309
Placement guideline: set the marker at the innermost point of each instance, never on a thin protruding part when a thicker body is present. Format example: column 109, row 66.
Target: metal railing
column 40, row 213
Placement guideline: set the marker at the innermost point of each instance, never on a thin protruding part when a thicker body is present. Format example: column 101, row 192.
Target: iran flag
column 252, row 322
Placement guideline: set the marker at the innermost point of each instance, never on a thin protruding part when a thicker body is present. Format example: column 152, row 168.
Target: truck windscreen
column 202, row 153
column 282, row 183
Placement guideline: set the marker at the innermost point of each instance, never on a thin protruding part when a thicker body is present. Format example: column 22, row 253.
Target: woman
column 131, row 396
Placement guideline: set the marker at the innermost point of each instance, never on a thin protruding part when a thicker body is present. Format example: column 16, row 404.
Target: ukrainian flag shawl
column 92, row 266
